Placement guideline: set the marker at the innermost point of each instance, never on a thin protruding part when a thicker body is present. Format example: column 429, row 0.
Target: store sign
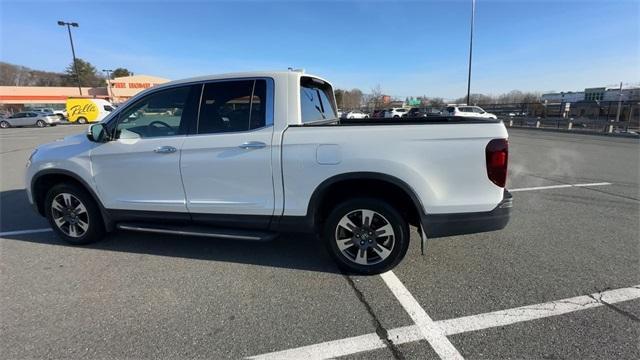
column 132, row 85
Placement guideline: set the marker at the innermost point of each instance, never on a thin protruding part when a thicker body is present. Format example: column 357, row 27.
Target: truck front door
column 140, row 169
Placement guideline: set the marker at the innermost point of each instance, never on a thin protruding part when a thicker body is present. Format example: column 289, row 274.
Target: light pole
column 619, row 102
column 73, row 51
column 109, row 90
column 473, row 12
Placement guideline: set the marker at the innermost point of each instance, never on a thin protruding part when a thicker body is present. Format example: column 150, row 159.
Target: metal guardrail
column 582, row 125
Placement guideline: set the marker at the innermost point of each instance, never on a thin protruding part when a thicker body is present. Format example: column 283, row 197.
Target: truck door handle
column 253, row 145
column 165, row 150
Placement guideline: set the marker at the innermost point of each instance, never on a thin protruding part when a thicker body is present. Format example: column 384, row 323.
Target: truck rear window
column 316, row 100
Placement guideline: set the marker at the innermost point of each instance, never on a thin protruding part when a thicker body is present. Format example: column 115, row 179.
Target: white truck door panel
column 140, row 174
column 229, row 173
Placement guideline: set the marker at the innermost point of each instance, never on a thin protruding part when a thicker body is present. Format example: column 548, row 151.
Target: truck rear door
column 226, row 164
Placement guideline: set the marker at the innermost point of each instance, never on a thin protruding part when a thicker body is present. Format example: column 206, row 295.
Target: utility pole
column 619, row 102
column 73, row 51
column 109, row 89
column 473, row 12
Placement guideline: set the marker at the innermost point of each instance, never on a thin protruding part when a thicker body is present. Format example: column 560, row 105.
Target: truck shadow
column 301, row 252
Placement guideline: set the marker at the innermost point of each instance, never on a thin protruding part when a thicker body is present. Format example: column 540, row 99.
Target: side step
column 203, row 231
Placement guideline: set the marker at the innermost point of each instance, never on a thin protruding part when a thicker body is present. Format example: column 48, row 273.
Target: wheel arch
column 43, row 180
column 397, row 192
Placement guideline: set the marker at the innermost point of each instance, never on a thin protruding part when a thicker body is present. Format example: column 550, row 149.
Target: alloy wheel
column 365, row 237
column 70, row 215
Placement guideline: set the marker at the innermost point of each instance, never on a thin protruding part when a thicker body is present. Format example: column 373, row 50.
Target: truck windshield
column 316, row 100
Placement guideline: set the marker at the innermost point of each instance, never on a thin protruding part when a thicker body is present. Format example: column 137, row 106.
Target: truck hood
column 71, row 140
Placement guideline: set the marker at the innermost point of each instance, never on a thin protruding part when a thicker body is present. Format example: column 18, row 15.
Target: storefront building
column 18, row 98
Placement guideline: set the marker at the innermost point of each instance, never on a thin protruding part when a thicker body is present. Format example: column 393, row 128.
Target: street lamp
column 473, row 11
column 73, row 51
column 109, row 90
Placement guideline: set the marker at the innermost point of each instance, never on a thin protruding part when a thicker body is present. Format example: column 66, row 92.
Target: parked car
column 355, row 114
column 43, row 110
column 415, row 112
column 62, row 114
column 395, row 112
column 253, row 171
column 470, row 111
column 29, row 118
column 378, row 113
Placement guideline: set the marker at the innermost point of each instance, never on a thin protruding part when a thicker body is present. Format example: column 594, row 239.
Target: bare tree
column 375, row 97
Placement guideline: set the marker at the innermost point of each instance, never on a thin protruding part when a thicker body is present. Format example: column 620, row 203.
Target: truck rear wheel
column 366, row 236
column 73, row 214
column 82, row 120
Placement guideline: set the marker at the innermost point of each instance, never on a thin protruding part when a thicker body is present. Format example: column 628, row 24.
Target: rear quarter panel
column 444, row 164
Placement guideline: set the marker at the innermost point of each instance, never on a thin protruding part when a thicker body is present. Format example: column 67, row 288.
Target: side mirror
column 97, row 133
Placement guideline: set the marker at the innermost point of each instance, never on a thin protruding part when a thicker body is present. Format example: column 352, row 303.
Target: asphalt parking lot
column 562, row 281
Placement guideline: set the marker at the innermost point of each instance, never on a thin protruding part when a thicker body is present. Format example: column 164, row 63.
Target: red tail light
column 497, row 153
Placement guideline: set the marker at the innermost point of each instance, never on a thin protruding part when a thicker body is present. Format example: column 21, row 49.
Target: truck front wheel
column 73, row 214
column 366, row 236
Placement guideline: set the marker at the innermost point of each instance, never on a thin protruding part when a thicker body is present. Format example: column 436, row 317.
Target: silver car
column 29, row 118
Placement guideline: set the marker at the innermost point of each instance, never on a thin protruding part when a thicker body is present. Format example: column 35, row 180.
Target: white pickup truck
column 248, row 156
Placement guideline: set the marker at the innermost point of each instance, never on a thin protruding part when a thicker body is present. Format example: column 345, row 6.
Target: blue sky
column 408, row 47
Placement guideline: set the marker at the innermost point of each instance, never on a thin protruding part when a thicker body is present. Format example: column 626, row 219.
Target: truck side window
column 232, row 106
column 162, row 113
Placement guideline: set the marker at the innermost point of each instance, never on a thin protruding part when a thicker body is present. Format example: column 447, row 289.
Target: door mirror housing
column 97, row 133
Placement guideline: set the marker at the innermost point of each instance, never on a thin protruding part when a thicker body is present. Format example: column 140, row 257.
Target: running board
column 203, row 231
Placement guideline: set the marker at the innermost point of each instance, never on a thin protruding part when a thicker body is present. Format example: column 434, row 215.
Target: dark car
column 415, row 112
column 377, row 113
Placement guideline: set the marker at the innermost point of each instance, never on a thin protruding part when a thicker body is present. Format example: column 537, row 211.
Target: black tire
column 95, row 227
column 396, row 116
column 41, row 124
column 4, row 124
column 397, row 244
column 82, row 120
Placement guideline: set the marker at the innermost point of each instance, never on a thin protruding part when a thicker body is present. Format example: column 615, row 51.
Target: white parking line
column 429, row 330
column 559, row 186
column 22, row 232
column 329, row 349
column 539, row 311
column 411, row 333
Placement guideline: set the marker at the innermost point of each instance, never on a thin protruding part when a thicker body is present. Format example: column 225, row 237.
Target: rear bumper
column 441, row 225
